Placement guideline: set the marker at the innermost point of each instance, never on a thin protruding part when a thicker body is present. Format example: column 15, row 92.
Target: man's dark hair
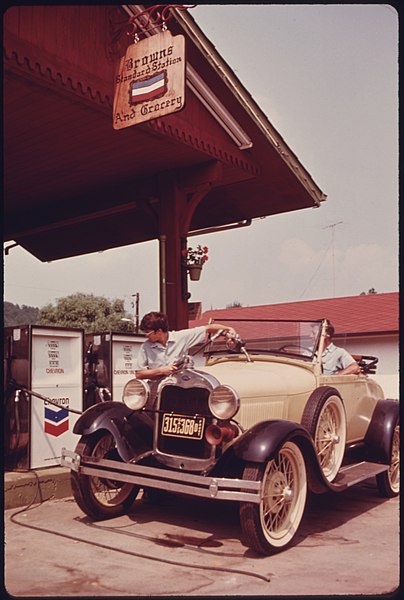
column 154, row 321
column 330, row 330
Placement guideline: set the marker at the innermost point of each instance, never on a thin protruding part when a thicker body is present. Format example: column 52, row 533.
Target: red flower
column 196, row 256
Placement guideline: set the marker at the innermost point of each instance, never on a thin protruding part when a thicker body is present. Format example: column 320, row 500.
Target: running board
column 353, row 474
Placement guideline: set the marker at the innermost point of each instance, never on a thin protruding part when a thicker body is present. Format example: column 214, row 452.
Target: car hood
column 259, row 378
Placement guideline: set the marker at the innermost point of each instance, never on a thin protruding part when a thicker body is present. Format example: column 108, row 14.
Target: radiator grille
column 186, row 402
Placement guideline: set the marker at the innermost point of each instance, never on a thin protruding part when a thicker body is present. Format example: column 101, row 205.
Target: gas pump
column 46, row 361
column 110, row 361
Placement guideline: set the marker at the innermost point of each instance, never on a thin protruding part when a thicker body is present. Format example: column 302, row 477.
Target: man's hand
column 156, row 373
column 230, row 333
column 352, row 369
column 168, row 369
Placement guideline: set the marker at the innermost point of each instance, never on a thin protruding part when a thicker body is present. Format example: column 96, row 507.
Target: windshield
column 295, row 338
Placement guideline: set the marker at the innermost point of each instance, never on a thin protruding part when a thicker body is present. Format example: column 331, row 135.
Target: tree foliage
column 14, row 314
column 94, row 314
column 234, row 304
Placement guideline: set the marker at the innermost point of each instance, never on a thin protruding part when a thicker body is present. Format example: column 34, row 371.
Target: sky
column 326, row 76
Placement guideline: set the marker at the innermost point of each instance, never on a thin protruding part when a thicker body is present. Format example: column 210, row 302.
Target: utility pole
column 332, row 227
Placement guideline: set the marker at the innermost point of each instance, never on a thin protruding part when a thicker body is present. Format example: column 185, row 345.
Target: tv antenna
column 332, row 227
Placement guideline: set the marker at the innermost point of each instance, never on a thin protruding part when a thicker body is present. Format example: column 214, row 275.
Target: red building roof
column 353, row 315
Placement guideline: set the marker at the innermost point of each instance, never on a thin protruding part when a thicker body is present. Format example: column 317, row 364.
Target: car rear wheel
column 324, row 417
column 99, row 497
column 388, row 482
column 271, row 525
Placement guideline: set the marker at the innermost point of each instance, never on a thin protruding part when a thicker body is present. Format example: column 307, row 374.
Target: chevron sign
column 56, row 419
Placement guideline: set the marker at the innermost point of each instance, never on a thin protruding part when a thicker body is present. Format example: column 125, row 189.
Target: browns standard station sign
column 151, row 80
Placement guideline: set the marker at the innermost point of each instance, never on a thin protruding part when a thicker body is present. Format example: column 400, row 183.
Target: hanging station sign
column 150, row 82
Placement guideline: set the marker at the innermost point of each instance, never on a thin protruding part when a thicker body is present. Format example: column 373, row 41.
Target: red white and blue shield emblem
column 56, row 420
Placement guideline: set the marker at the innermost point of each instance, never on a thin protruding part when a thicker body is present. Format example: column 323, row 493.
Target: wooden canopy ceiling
column 74, row 185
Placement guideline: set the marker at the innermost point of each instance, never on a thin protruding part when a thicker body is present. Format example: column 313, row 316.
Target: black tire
column 388, row 482
column 324, row 418
column 101, row 498
column 271, row 525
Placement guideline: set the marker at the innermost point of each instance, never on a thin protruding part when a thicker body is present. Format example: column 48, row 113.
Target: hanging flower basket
column 195, row 259
column 195, row 272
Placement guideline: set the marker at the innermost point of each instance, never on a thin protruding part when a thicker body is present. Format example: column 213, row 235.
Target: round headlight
column 135, row 394
column 224, row 402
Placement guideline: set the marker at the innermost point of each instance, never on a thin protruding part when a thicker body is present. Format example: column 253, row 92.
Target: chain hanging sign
column 150, row 82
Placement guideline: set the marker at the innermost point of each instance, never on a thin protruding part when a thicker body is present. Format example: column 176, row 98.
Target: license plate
column 183, row 427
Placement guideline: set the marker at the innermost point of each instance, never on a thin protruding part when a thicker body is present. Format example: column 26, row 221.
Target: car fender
column 90, row 420
column 130, row 430
column 378, row 438
column 260, row 444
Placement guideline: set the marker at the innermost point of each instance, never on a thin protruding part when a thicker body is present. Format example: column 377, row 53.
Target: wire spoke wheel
column 271, row 525
column 106, row 491
column 324, row 417
column 327, row 436
column 388, row 482
column 99, row 497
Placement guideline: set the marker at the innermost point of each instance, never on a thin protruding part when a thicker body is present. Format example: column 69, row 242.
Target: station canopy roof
column 74, row 185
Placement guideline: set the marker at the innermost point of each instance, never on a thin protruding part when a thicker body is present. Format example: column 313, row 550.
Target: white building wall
column 386, row 348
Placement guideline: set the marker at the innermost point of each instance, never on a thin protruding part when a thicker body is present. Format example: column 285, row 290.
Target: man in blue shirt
column 337, row 361
column 158, row 354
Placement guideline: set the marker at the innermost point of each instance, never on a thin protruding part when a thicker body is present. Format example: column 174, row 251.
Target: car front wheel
column 101, row 497
column 271, row 525
column 324, row 417
column 388, row 482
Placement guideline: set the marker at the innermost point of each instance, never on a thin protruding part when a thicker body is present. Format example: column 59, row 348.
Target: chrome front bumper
column 218, row 488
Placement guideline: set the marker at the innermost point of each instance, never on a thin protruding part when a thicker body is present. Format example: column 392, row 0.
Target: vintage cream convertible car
column 258, row 424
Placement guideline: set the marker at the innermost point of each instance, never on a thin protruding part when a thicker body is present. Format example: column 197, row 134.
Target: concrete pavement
column 348, row 544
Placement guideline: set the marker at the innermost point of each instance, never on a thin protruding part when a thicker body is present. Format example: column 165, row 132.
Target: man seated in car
column 337, row 361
